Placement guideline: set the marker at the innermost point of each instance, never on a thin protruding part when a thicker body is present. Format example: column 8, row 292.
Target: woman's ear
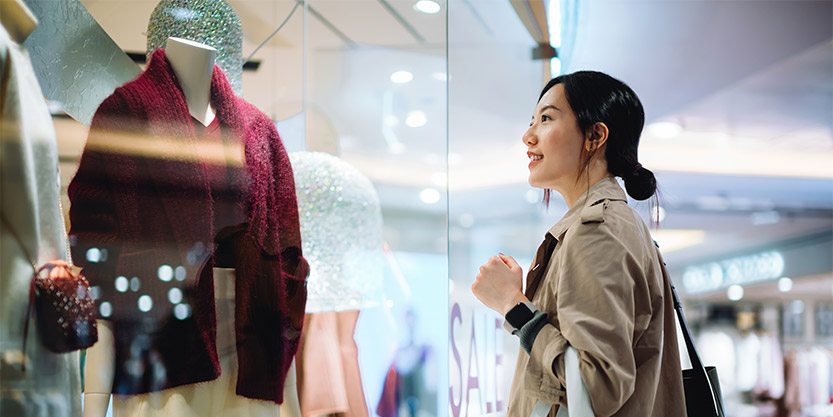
column 596, row 137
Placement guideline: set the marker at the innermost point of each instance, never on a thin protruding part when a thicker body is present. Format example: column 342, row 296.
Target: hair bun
column 641, row 183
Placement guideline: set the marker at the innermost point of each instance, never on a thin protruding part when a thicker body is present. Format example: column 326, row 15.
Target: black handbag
column 703, row 397
column 702, row 387
column 63, row 307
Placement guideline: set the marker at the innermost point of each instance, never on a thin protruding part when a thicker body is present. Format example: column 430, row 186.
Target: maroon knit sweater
column 142, row 229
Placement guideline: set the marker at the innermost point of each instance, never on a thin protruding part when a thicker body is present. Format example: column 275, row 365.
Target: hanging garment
column 329, row 380
column 748, row 367
column 770, row 382
column 142, row 195
column 29, row 199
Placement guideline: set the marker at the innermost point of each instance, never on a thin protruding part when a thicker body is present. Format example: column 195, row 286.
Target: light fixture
column 658, row 214
column 785, row 284
column 532, row 196
column 396, row 148
column 466, row 220
column 427, row 6
column 145, row 303
column 664, row 130
column 416, row 118
column 555, row 67
column 440, row 76
column 671, row 240
column 106, row 309
column 401, row 77
column 122, row 284
column 429, row 196
column 735, row 292
column 175, row 295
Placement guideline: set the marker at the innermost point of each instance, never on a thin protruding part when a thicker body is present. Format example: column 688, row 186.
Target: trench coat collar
column 606, row 188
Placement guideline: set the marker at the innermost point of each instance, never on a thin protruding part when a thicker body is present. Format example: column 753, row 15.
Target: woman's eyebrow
column 549, row 106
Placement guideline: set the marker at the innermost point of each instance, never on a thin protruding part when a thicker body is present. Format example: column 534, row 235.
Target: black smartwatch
column 519, row 315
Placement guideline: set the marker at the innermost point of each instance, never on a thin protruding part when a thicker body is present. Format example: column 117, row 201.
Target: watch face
column 519, row 315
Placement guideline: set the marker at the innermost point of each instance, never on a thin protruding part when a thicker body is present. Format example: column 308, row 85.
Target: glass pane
column 493, row 86
column 376, row 119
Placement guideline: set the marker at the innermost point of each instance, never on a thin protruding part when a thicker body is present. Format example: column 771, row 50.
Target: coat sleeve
column 595, row 315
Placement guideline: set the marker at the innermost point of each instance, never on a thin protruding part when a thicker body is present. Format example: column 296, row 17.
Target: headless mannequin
column 19, row 22
column 193, row 64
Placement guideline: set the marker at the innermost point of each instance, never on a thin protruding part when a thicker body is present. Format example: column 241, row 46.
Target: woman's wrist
column 516, row 299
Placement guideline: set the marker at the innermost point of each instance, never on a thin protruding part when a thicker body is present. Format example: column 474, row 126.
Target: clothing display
column 341, row 226
column 619, row 316
column 808, row 381
column 29, row 188
column 146, row 194
column 770, row 369
column 329, row 380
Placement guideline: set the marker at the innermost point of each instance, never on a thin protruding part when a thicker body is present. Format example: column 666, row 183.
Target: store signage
column 763, row 266
column 477, row 362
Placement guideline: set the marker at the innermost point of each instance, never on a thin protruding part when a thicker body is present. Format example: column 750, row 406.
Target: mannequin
column 193, row 64
column 29, row 196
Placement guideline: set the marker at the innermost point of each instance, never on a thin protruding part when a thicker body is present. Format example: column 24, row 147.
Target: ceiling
column 749, row 82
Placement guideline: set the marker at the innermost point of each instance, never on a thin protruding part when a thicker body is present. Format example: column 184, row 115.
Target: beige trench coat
column 604, row 294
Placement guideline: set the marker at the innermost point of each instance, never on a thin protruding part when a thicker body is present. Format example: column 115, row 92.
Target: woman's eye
column 544, row 118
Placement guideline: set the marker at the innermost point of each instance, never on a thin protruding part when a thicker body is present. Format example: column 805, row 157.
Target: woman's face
column 553, row 142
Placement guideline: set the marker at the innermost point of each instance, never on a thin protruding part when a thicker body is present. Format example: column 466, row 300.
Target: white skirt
column 215, row 398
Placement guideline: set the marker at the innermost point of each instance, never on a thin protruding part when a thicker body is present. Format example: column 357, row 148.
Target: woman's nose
column 528, row 137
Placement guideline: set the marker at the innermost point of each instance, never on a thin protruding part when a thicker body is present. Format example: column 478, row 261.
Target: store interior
column 428, row 100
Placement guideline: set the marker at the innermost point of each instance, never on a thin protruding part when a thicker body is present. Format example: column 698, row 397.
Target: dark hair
column 597, row 97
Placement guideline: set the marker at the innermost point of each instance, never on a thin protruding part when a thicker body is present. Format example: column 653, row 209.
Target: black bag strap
column 697, row 367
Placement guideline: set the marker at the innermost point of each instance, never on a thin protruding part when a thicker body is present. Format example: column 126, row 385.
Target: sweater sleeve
column 294, row 268
column 94, row 236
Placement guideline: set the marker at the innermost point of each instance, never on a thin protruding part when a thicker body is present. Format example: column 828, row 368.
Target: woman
column 601, row 290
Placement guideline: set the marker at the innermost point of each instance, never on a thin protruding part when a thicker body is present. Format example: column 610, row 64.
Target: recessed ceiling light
column 555, row 67
column 439, row 76
column 401, row 77
column 532, row 196
column 427, row 6
column 658, row 214
column 466, row 220
column 429, row 196
column 664, row 130
column 416, row 118
column 396, row 147
column 785, row 284
column 735, row 292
